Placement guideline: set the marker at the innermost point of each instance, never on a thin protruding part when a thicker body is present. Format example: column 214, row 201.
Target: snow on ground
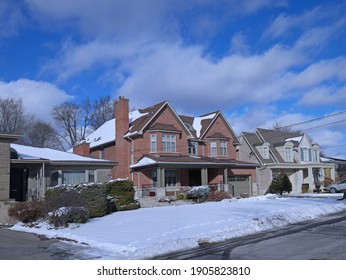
column 146, row 232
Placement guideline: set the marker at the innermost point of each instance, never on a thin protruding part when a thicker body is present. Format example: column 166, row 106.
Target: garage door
column 241, row 185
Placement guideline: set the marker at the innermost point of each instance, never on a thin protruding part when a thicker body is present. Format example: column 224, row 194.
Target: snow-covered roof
column 143, row 162
column 197, row 123
column 297, row 139
column 134, row 115
column 31, row 153
column 104, row 134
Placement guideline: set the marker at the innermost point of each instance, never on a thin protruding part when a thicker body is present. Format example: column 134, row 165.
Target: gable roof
column 200, row 125
column 141, row 119
column 274, row 138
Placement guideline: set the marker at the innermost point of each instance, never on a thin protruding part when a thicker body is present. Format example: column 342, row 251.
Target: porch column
column 225, row 175
column 204, row 176
column 311, row 178
column 163, row 183
column 160, row 177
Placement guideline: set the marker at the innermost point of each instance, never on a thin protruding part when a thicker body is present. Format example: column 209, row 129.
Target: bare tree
column 103, row 111
column 278, row 126
column 74, row 120
column 41, row 134
column 12, row 117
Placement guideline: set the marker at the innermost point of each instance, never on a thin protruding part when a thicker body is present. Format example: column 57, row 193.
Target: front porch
column 171, row 177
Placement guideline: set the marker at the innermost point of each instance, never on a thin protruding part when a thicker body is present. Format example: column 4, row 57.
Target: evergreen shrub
column 280, row 184
column 122, row 193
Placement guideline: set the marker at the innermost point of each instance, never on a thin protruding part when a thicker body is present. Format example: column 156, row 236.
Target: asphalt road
column 16, row 245
column 322, row 239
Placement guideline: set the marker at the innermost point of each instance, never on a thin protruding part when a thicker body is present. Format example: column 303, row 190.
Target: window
column 223, row 148
column 168, row 143
column 170, row 178
column 102, row 154
column 54, row 178
column 153, row 143
column 305, row 154
column 265, row 152
column 288, row 154
column 213, row 149
column 193, row 148
column 91, row 176
column 73, row 177
column 315, row 157
column 154, row 178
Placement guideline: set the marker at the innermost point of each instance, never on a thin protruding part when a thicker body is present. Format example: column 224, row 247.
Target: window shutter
column 301, row 154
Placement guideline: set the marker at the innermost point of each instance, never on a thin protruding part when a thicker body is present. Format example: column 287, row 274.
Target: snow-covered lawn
column 146, row 232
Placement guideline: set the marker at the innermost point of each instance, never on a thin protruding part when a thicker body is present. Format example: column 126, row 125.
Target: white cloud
column 239, row 44
column 11, row 18
column 38, row 97
column 284, row 23
column 185, row 76
column 324, row 95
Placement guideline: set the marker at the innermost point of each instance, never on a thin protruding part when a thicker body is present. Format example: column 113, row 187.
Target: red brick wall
column 82, row 149
column 220, row 126
column 142, row 143
column 122, row 146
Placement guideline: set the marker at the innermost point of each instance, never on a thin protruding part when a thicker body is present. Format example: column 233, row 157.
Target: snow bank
column 147, row 232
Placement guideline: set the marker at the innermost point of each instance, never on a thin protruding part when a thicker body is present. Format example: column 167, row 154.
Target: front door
column 195, row 177
column 19, row 184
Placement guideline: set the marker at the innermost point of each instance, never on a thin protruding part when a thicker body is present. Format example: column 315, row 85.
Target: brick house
column 163, row 152
column 292, row 153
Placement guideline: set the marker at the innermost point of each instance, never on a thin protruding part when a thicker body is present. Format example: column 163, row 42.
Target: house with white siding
column 292, row 153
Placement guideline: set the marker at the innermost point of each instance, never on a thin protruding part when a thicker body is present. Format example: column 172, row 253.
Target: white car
column 339, row 187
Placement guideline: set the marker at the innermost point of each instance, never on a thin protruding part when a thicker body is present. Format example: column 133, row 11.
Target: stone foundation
column 4, row 206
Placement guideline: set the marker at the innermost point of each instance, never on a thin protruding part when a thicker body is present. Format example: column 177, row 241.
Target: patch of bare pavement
column 16, row 245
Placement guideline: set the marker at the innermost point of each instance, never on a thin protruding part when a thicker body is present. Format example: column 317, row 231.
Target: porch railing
column 174, row 191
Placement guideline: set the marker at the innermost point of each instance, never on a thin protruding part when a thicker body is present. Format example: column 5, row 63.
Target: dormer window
column 315, row 156
column 305, row 154
column 265, row 151
column 288, row 154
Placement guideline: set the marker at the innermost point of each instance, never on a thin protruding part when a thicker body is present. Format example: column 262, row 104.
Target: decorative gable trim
column 146, row 125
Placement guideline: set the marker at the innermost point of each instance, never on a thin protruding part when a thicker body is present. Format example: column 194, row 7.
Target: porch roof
column 148, row 161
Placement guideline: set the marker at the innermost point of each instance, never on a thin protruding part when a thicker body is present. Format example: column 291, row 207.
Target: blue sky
column 257, row 61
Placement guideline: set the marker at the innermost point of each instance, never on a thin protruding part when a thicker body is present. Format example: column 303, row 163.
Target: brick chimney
column 82, row 149
column 122, row 146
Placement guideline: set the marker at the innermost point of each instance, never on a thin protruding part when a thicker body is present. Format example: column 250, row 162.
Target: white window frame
column 153, row 143
column 213, row 148
column 288, row 154
column 169, row 143
column 193, row 148
column 223, row 148
column 265, row 152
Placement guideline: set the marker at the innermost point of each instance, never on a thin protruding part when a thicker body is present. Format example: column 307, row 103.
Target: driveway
column 16, row 245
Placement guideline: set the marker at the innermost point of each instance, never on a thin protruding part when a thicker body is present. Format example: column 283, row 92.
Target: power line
column 315, row 119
